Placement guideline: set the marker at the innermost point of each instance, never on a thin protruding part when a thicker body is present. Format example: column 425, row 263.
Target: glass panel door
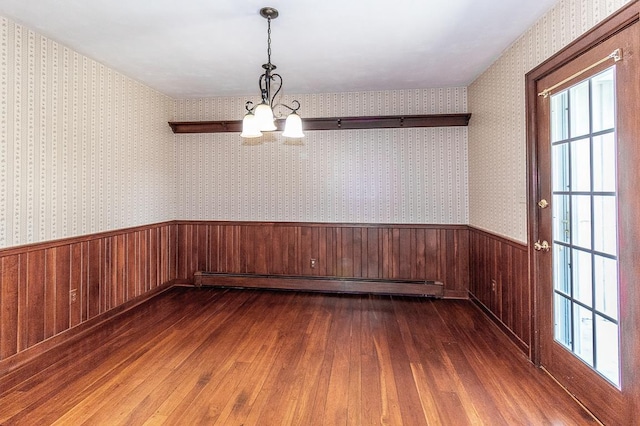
column 584, row 223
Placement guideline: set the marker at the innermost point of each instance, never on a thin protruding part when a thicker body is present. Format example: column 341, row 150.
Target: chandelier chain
column 269, row 40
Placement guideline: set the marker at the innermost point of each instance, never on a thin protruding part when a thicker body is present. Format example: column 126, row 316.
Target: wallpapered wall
column 497, row 138
column 369, row 176
column 85, row 149
column 82, row 148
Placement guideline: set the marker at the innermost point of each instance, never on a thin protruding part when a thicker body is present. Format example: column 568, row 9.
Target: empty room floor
column 254, row 357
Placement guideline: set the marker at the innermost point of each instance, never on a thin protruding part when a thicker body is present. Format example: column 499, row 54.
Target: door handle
column 543, row 204
column 541, row 246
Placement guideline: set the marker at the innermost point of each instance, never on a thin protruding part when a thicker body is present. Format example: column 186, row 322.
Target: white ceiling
column 201, row 48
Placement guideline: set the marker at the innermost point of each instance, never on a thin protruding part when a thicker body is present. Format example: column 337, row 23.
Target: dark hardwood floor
column 251, row 357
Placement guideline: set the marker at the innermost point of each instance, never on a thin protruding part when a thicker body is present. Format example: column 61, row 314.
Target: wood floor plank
column 335, row 409
column 427, row 397
column 354, row 398
column 407, row 316
column 309, row 369
column 389, row 392
column 238, row 357
column 379, row 399
column 409, row 399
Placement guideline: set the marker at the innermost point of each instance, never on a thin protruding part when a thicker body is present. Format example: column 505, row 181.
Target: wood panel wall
column 105, row 271
column 499, row 282
column 408, row 252
column 111, row 270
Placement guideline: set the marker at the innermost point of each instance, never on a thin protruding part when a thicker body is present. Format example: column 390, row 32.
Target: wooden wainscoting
column 50, row 292
column 378, row 252
column 499, row 283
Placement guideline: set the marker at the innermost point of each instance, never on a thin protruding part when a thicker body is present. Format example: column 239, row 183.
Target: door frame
column 625, row 17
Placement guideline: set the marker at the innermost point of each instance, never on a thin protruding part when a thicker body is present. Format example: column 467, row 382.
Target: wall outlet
column 493, row 285
column 313, row 263
column 73, row 295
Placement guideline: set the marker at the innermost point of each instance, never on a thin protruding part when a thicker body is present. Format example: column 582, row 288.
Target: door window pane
column 583, row 333
column 582, row 276
column 603, row 102
column 559, row 117
column 562, row 269
column 561, row 218
column 605, row 224
column 579, row 110
column 562, row 314
column 607, row 353
column 604, row 163
column 581, row 165
column 560, row 159
column 606, row 285
column 581, row 221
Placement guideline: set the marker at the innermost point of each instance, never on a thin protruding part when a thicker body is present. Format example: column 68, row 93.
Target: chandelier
column 259, row 118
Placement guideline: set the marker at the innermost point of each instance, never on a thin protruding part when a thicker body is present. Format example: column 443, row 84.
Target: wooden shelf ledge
column 333, row 123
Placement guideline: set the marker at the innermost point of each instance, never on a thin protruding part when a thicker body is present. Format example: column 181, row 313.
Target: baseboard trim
column 502, row 326
column 456, row 294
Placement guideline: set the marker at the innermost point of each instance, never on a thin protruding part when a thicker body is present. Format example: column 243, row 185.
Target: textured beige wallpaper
column 82, row 148
column 85, row 149
column 497, row 140
column 369, row 176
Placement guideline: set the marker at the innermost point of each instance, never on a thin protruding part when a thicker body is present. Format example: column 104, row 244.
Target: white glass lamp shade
column 264, row 118
column 293, row 126
column 250, row 127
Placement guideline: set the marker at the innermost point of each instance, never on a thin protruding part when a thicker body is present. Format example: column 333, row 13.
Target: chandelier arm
column 279, row 80
column 263, row 85
column 294, row 108
column 249, row 106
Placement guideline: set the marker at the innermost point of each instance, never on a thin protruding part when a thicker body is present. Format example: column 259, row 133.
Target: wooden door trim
column 627, row 402
column 617, row 22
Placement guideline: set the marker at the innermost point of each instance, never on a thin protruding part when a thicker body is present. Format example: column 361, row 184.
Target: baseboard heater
column 321, row 284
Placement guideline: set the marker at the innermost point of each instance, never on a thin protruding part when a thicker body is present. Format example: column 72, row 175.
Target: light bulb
column 264, row 118
column 250, row 127
column 293, row 126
